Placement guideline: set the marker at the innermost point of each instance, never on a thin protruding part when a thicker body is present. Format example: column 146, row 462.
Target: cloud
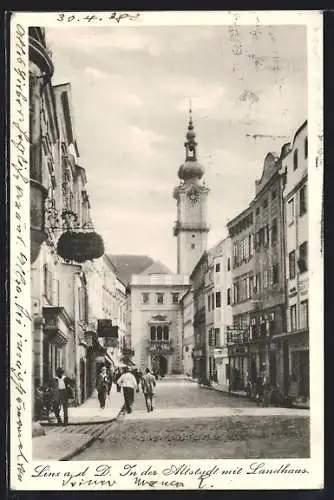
column 131, row 89
column 116, row 38
column 94, row 73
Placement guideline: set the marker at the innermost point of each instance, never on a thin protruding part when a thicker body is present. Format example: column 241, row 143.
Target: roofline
column 303, row 125
column 111, row 263
column 121, row 281
column 240, row 215
column 219, row 243
column 204, row 255
column 61, row 85
column 186, row 293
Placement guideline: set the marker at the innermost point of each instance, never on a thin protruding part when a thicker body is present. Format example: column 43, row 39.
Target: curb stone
column 89, row 441
column 84, row 422
column 237, row 395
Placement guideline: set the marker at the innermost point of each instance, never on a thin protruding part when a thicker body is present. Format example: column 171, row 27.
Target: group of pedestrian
column 131, row 381
column 60, row 390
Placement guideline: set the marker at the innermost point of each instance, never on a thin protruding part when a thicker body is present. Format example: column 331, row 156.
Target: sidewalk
column 56, row 445
column 243, row 394
column 90, row 412
column 62, row 443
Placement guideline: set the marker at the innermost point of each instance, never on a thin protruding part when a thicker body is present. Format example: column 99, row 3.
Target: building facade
column 241, row 231
column 293, row 344
column 156, row 320
column 187, row 307
column 191, row 194
column 55, row 284
column 221, row 300
column 268, row 315
column 67, row 294
column 200, row 353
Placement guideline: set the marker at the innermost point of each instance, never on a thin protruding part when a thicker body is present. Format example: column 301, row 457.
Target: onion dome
column 191, row 168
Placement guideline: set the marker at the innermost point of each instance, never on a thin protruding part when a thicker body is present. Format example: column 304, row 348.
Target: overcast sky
column 131, row 88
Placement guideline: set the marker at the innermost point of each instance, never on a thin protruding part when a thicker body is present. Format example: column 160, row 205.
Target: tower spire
column 190, row 143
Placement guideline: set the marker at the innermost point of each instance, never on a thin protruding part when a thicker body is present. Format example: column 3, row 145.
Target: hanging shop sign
column 237, row 335
column 106, row 329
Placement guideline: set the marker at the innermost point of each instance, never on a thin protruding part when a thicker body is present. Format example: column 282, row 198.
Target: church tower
column 191, row 228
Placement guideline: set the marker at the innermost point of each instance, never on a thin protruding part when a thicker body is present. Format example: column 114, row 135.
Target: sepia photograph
column 170, row 253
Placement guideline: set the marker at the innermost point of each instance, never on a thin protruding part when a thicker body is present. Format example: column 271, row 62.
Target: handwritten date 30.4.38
column 96, row 18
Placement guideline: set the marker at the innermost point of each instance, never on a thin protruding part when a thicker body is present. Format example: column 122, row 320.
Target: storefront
column 293, row 364
column 238, row 356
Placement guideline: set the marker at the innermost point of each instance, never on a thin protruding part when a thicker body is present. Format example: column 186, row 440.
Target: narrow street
column 194, row 422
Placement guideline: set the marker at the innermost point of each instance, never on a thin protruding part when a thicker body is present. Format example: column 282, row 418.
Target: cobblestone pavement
column 184, row 393
column 232, row 436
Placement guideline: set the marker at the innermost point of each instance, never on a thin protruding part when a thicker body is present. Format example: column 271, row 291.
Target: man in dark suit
column 61, row 392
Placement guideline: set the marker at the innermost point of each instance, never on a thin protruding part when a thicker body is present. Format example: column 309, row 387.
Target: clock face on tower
column 193, row 197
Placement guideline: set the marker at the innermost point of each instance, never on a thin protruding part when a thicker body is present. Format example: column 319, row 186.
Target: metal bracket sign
column 236, row 335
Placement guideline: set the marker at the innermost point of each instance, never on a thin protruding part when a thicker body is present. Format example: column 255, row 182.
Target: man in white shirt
column 129, row 384
column 61, row 392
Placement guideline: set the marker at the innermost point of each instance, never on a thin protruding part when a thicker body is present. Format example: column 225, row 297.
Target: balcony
column 160, row 347
column 39, row 53
column 56, row 324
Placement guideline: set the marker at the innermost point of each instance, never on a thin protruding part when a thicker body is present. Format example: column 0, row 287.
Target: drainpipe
column 76, row 337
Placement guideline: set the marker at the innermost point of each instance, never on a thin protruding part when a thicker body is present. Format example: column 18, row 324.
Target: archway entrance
column 163, row 365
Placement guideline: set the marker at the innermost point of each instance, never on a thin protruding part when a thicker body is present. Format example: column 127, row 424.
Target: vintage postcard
column 166, row 272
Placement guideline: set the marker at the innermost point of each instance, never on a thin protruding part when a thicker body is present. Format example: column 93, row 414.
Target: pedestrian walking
column 148, row 384
column 129, row 384
column 109, row 375
column 117, row 375
column 61, row 392
column 102, row 386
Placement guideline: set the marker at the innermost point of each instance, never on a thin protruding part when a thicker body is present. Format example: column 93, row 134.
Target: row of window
column 160, row 332
column 248, row 285
column 302, row 205
column 266, row 324
column 259, row 326
column 302, row 262
column 214, row 300
column 217, row 267
column 303, row 321
column 243, row 250
column 159, row 298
